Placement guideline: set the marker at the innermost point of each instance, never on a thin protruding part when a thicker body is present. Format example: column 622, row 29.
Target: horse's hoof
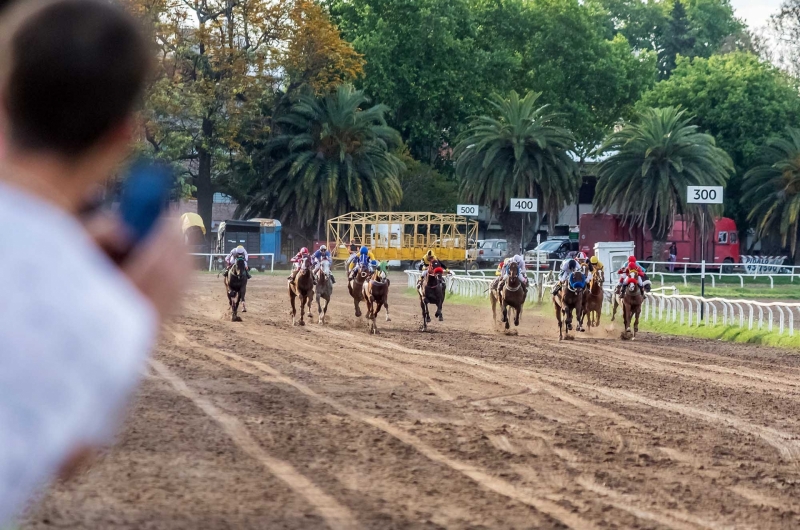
column 302, row 323
column 441, row 318
column 428, row 320
column 244, row 310
column 569, row 337
column 388, row 319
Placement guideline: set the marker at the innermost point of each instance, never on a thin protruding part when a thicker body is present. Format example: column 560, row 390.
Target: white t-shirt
column 74, row 338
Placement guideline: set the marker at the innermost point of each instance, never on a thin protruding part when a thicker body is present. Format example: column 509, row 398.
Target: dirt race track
column 258, row 425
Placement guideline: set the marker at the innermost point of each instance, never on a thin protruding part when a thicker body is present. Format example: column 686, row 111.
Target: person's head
column 631, row 260
column 303, row 251
column 323, row 248
column 594, row 260
column 71, row 74
column 364, row 251
column 572, row 264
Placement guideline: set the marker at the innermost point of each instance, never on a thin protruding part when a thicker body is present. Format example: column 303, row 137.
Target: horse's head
column 513, row 269
column 324, row 270
column 304, row 266
column 576, row 281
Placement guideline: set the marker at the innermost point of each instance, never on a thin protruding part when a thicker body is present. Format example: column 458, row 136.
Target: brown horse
column 303, row 287
column 376, row 295
column 632, row 299
column 593, row 299
column 431, row 291
column 324, row 289
column 571, row 298
column 356, row 288
column 236, row 287
column 509, row 293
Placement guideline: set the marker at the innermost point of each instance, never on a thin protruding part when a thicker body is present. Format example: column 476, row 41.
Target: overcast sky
column 755, row 12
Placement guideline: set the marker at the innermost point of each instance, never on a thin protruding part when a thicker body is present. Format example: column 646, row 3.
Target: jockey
column 567, row 268
column 319, row 256
column 360, row 260
column 581, row 258
column 231, row 258
column 429, row 263
column 594, row 265
column 520, row 261
column 296, row 260
column 624, row 272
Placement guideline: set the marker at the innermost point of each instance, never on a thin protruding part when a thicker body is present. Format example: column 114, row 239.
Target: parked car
column 488, row 253
column 552, row 249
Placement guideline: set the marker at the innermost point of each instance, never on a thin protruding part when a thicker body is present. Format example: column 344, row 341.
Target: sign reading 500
column 469, row 210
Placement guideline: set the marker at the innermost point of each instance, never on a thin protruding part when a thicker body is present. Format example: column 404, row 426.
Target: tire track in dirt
column 336, row 515
column 523, row 494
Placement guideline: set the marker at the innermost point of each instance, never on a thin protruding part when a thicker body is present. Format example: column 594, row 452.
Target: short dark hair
column 76, row 70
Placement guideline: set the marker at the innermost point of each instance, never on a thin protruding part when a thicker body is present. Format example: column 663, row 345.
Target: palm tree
column 332, row 157
column 651, row 162
column 517, row 152
column 772, row 189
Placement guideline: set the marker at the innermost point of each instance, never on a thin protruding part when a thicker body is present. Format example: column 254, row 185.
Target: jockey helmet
column 304, row 250
column 594, row 260
column 323, row 248
column 373, row 263
column 240, row 247
column 581, row 256
column 632, row 259
column 364, row 251
column 572, row 264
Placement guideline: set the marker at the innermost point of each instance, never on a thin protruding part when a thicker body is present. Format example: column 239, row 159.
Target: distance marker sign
column 523, row 205
column 704, row 195
column 468, row 210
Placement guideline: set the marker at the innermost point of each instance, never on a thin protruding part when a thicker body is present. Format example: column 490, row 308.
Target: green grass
column 786, row 291
column 725, row 333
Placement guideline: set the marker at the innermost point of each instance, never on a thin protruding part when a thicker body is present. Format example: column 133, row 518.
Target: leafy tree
column 218, row 65
column 652, row 160
column 772, row 190
column 739, row 100
column 425, row 189
column 785, row 26
column 333, row 156
column 677, row 39
column 518, row 151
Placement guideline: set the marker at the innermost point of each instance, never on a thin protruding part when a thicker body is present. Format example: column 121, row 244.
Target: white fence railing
column 217, row 261
column 664, row 304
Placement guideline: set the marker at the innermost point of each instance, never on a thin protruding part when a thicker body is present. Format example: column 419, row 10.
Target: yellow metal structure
column 404, row 236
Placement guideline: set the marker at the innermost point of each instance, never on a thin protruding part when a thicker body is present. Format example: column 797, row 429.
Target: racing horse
column 356, row 287
column 431, row 291
column 512, row 294
column 324, row 288
column 236, row 287
column 376, row 295
column 593, row 299
column 631, row 300
column 301, row 287
column 571, row 299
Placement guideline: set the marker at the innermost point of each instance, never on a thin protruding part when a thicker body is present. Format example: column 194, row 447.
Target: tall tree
column 219, row 65
column 518, row 151
column 651, row 162
column 785, row 26
column 739, row 100
column 676, row 40
column 772, row 190
column 333, row 156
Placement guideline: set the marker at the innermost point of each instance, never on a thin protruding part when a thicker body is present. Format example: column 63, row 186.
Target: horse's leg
column 303, row 299
column 505, row 314
column 386, row 305
column 517, row 313
column 493, row 300
column 378, row 306
column 558, row 318
column 614, row 308
column 292, row 296
column 439, row 303
column 424, row 309
column 242, row 294
column 636, row 322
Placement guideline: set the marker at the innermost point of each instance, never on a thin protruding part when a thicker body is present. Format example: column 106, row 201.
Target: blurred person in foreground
column 75, row 328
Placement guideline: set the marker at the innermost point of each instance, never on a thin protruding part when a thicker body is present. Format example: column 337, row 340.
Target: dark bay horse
column 236, row 287
column 324, row 288
column 431, row 291
column 571, row 298
column 301, row 287
column 632, row 299
column 593, row 299
column 509, row 294
column 356, row 288
column 376, row 295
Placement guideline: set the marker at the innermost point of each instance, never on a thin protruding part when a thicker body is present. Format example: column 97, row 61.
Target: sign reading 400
column 469, row 210
column 523, row 205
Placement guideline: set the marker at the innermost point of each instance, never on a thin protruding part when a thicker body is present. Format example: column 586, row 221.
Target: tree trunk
column 205, row 191
column 659, row 244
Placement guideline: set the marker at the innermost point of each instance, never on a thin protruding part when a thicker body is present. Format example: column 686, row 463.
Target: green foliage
column 434, row 61
column 519, row 151
column 332, row 157
column 425, row 189
column 772, row 189
column 739, row 100
column 651, row 163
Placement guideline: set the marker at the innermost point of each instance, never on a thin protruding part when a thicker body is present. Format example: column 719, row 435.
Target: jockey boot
column 557, row 289
column 333, row 280
column 247, row 272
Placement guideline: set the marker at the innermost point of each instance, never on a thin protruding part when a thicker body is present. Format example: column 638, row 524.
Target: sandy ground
column 258, row 425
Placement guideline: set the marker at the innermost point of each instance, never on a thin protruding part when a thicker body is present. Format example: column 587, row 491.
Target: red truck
column 722, row 245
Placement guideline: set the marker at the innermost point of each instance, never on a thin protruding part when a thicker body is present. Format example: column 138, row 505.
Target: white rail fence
column 217, row 261
column 685, row 310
